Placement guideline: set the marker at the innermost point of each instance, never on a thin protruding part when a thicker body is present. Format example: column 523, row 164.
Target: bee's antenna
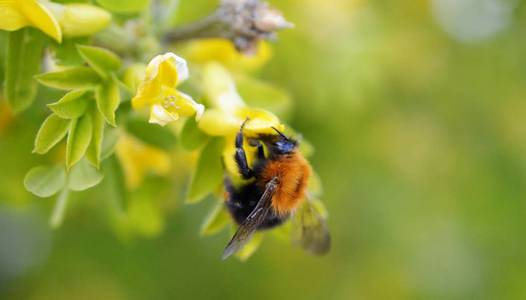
column 279, row 132
column 245, row 122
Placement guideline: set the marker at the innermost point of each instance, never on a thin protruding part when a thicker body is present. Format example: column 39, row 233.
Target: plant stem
column 210, row 26
column 243, row 22
column 60, row 209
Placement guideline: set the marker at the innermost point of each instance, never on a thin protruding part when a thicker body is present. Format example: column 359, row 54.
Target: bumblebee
column 275, row 186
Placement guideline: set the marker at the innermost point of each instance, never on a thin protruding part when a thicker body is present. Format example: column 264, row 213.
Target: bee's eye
column 285, row 146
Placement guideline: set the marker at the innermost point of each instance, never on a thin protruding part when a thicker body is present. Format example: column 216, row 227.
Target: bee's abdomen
column 241, row 202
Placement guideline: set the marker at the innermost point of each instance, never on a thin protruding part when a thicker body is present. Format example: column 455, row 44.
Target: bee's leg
column 241, row 157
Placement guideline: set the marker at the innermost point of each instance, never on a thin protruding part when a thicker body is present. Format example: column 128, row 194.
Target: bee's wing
column 255, row 218
column 309, row 229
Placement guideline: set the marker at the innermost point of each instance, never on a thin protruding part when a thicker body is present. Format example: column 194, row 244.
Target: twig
column 244, row 22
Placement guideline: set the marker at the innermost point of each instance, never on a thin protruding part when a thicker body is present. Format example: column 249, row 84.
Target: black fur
column 242, row 201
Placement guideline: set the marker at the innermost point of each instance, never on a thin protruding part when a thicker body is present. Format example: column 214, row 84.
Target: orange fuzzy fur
column 293, row 172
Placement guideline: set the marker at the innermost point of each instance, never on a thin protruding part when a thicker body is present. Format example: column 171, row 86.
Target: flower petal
column 215, row 122
column 153, row 67
column 180, row 65
column 10, row 17
column 188, row 107
column 220, row 88
column 260, row 121
column 159, row 115
column 171, row 69
column 40, row 17
column 147, row 94
column 221, row 50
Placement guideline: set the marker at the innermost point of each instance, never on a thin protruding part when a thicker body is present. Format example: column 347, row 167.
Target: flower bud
column 80, row 19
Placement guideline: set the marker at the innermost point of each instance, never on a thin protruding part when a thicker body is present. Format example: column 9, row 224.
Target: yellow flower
column 228, row 110
column 15, row 14
column 158, row 92
column 138, row 160
column 224, row 52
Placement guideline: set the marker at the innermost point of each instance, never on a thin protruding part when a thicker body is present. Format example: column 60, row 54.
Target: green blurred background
column 416, row 110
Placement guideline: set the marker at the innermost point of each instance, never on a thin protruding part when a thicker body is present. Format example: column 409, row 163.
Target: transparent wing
column 250, row 225
column 309, row 229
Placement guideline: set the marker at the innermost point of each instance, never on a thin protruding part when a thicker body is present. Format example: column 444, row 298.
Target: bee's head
column 279, row 143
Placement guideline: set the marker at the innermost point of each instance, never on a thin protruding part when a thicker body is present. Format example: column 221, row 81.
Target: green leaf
column 124, row 6
column 262, row 94
column 72, row 105
column 51, row 132
column 95, row 147
column 111, row 137
column 251, row 247
column 191, row 136
column 70, row 78
column 101, row 60
column 216, row 219
column 45, row 181
column 23, row 60
column 108, row 99
column 66, row 53
column 79, row 137
column 83, row 176
column 114, row 187
column 155, row 135
column 126, row 92
column 209, row 171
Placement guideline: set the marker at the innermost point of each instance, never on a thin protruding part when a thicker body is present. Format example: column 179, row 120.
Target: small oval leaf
column 216, row 219
column 23, row 58
column 70, row 78
column 72, row 105
column 83, row 176
column 51, row 132
column 208, row 173
column 101, row 60
column 251, row 247
column 111, row 137
column 45, row 181
column 93, row 154
column 79, row 137
column 108, row 100
column 66, row 54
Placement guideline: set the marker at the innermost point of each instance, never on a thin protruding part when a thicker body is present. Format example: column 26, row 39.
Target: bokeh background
column 417, row 113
